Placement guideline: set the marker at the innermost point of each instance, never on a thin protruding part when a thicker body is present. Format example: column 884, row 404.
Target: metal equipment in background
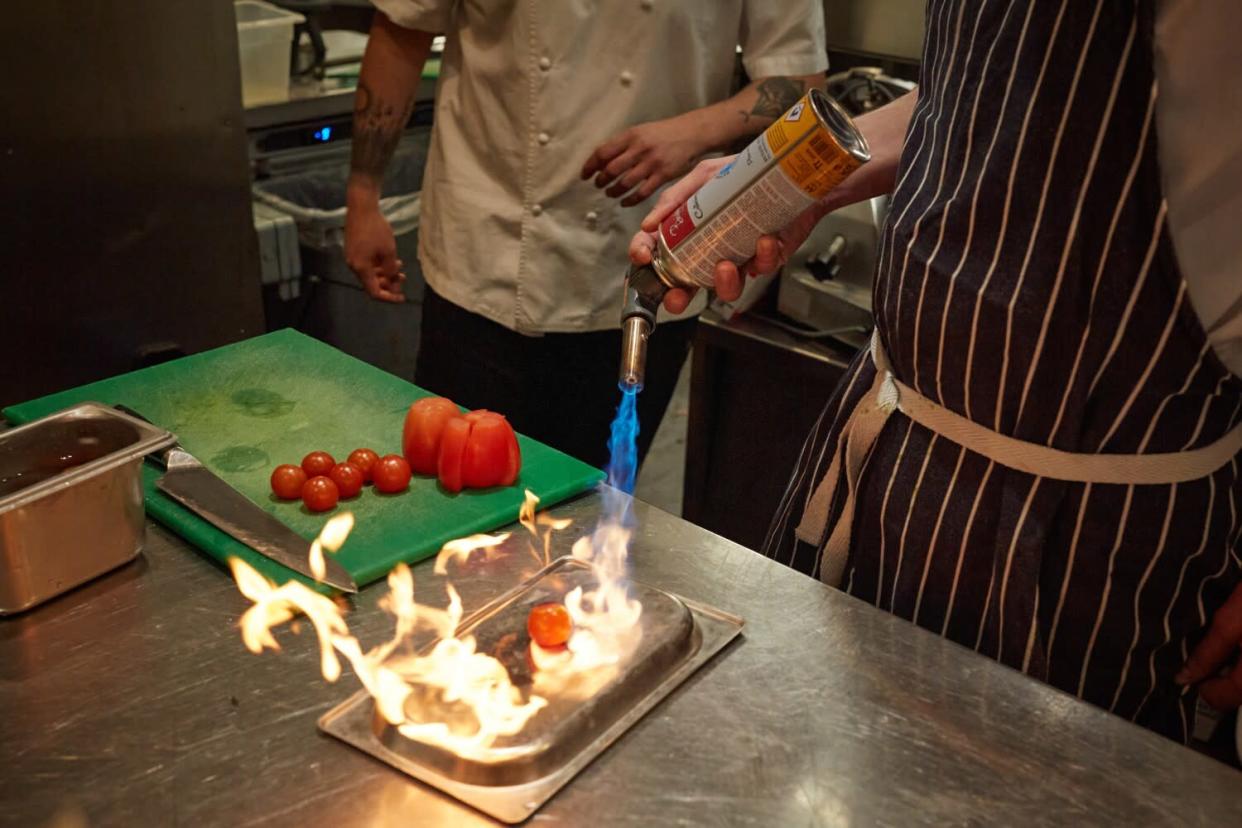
column 825, row 289
column 127, row 238
column 299, row 158
column 883, row 29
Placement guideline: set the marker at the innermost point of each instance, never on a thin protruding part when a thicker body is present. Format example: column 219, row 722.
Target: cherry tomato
column 489, row 457
column 320, row 493
column 391, row 474
column 287, row 481
column 424, row 425
column 348, row 479
column 452, row 451
column 317, row 463
column 549, row 625
column 365, row 460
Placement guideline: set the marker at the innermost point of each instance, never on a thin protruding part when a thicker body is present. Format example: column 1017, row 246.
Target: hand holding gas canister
column 728, row 209
column 771, row 251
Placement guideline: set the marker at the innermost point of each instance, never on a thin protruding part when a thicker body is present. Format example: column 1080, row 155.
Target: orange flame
column 532, row 521
column 470, row 692
column 452, row 695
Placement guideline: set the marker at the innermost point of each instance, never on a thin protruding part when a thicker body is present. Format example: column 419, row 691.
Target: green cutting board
column 245, row 408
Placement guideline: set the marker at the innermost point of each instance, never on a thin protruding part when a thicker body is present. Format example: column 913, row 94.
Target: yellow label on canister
column 816, row 163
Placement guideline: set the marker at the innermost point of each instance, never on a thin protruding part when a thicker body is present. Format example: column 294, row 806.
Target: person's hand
column 771, row 252
column 371, row 253
column 642, row 158
column 1223, row 639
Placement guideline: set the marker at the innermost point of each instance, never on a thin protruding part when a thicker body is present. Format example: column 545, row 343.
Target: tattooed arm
column 391, row 69
column 640, row 159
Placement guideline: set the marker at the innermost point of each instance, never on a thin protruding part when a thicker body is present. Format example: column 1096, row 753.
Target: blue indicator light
column 322, row 134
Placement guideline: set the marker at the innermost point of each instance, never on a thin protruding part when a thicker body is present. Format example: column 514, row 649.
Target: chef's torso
column 527, row 91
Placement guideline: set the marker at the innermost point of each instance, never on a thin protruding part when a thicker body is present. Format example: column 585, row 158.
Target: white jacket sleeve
column 425, row 15
column 783, row 37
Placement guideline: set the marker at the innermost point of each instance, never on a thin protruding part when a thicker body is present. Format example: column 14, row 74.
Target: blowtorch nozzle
column 643, row 293
column 634, row 333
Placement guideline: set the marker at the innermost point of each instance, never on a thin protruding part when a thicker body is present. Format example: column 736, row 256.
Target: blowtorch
column 795, row 162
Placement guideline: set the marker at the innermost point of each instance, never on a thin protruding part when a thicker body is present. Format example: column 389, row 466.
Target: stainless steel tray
column 70, row 500
column 524, row 771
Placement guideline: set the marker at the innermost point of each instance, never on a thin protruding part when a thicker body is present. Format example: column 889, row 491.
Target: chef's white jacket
column 527, row 90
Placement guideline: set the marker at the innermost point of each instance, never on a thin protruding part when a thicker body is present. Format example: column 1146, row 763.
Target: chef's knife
column 191, row 484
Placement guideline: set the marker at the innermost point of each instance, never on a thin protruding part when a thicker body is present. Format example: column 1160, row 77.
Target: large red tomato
column 491, row 456
column 452, row 452
column 424, row 425
column 477, row 451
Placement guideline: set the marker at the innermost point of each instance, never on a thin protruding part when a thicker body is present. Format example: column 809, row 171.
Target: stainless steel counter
column 132, row 702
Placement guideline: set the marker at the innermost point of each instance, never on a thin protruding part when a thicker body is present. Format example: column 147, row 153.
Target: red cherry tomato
column 391, row 474
column 320, row 494
column 365, row 460
column 424, row 425
column 488, row 457
column 287, row 481
column 317, row 463
column 348, row 479
column 549, row 625
column 452, row 452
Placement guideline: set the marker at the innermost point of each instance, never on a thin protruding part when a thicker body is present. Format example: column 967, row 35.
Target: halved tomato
column 485, row 461
column 492, row 456
column 514, row 464
column 452, row 450
column 424, row 425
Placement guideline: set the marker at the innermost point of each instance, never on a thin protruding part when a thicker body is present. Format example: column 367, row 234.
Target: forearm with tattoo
column 775, row 96
column 378, row 125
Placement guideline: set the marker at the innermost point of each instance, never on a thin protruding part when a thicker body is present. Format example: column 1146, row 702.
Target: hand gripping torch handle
column 643, row 293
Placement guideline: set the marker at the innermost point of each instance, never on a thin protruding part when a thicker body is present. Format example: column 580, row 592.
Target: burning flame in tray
column 451, row 694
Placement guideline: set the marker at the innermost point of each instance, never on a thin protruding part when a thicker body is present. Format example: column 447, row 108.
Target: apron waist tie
column 888, row 394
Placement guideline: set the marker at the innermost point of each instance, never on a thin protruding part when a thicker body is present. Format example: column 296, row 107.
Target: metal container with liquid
column 70, row 500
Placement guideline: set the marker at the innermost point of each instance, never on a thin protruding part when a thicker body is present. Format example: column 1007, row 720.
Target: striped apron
column 1027, row 286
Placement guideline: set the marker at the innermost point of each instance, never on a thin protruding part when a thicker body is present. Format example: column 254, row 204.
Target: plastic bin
column 264, row 46
column 336, row 310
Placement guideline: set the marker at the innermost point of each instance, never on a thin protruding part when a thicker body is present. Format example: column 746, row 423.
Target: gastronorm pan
column 525, row 770
column 70, row 500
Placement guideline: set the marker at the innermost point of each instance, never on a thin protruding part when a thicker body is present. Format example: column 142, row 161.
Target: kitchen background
column 176, row 170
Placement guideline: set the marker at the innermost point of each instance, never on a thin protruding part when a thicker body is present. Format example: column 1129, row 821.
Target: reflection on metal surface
column 145, row 707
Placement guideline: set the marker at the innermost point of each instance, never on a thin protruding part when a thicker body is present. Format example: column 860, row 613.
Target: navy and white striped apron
column 1027, row 281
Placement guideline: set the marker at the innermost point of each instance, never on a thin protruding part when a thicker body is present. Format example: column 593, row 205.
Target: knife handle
column 160, row 458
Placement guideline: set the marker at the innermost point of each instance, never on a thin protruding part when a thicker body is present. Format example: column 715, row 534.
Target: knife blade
column 193, row 485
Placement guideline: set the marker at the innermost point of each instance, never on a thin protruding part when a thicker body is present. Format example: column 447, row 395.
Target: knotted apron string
column 888, row 394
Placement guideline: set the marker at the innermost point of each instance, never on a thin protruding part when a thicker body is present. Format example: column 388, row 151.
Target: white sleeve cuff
column 770, row 66
column 424, row 15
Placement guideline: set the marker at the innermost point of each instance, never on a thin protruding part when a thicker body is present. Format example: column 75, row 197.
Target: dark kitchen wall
column 125, row 226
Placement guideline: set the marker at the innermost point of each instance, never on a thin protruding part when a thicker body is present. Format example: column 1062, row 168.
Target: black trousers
column 560, row 388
